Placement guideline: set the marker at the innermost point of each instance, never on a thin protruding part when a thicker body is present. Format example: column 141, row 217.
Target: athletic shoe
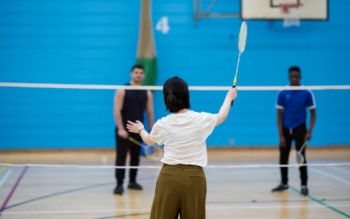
column 134, row 186
column 304, row 191
column 280, row 188
column 118, row 190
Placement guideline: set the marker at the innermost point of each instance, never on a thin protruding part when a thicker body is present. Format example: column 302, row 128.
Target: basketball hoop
column 291, row 14
column 286, row 7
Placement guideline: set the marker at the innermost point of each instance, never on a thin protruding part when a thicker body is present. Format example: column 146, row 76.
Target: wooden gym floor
column 57, row 193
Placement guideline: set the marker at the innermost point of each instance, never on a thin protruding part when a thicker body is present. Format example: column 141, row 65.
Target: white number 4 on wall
column 163, row 25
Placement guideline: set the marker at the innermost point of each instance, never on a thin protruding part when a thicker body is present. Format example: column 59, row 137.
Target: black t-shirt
column 134, row 105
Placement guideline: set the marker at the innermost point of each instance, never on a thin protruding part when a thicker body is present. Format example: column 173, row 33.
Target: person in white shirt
column 181, row 184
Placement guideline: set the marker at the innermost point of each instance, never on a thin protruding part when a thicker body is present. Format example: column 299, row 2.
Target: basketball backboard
column 282, row 9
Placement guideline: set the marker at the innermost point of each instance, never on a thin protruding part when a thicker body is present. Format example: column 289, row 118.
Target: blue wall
column 94, row 42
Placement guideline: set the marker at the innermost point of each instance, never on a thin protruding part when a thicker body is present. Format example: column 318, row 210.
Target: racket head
column 242, row 41
column 242, row 38
column 153, row 152
column 300, row 157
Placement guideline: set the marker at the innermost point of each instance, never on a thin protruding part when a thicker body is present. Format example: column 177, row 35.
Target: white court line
column 249, row 206
column 341, row 170
column 5, row 176
column 331, row 176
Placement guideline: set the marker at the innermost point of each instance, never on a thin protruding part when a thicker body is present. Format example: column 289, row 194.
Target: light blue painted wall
column 94, row 42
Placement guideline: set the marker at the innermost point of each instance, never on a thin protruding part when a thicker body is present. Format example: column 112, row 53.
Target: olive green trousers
column 180, row 190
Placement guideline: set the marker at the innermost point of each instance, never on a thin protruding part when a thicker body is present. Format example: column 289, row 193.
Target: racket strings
column 152, row 152
column 301, row 154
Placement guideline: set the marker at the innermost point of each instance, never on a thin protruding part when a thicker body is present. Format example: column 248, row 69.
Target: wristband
column 141, row 130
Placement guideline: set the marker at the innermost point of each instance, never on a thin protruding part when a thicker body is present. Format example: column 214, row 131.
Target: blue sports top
column 294, row 104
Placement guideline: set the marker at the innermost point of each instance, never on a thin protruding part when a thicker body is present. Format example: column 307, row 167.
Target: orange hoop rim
column 287, row 6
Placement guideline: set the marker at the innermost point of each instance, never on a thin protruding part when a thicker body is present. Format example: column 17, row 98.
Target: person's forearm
column 150, row 118
column 119, row 120
column 146, row 137
column 224, row 110
column 149, row 109
column 279, row 123
column 312, row 122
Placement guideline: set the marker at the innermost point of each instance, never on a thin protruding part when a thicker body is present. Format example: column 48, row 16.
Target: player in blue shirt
column 292, row 108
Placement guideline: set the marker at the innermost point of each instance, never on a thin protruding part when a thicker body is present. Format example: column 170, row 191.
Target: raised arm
column 226, row 105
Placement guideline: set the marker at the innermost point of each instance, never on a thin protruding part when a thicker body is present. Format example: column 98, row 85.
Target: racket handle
column 233, row 86
column 133, row 140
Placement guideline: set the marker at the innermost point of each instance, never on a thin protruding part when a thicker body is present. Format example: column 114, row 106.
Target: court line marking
column 341, row 170
column 331, row 176
column 324, row 204
column 12, row 192
column 249, row 206
column 67, row 192
column 5, row 176
column 160, row 166
column 2, row 170
column 257, row 201
column 57, row 194
column 112, row 183
column 123, row 215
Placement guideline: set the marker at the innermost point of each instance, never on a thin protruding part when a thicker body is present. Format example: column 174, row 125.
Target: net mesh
column 44, row 118
column 56, row 183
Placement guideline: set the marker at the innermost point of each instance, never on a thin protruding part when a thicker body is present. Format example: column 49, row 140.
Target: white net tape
column 194, row 88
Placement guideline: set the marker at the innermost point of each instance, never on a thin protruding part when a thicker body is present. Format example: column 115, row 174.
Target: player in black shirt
column 130, row 105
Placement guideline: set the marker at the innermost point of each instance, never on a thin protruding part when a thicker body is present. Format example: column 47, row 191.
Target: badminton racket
column 242, row 41
column 300, row 157
column 152, row 152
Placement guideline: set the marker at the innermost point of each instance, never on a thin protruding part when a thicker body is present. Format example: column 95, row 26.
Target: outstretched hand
column 135, row 127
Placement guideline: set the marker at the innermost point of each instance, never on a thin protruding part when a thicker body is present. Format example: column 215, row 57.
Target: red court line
column 14, row 187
